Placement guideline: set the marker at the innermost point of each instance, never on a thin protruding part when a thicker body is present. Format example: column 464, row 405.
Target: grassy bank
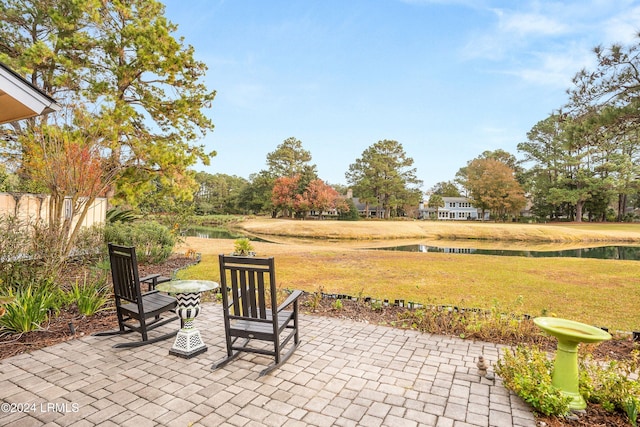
column 448, row 230
column 600, row 292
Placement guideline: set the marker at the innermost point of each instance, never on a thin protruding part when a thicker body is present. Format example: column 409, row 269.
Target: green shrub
column 314, row 300
column 631, row 409
column 433, row 320
column 119, row 214
column 527, row 371
column 16, row 253
column 493, row 325
column 349, row 215
column 153, row 242
column 90, row 244
column 13, row 237
column 90, row 297
column 496, row 325
column 32, row 252
column 31, row 307
column 611, row 384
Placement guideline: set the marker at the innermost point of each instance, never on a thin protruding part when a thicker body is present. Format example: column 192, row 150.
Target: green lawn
column 599, row 292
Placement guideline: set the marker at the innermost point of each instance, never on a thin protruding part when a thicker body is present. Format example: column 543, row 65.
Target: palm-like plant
column 243, row 247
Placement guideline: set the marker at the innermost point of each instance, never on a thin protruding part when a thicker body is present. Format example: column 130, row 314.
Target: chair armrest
column 293, row 297
column 153, row 279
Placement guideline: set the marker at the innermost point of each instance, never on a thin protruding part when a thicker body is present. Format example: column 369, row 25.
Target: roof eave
column 20, row 99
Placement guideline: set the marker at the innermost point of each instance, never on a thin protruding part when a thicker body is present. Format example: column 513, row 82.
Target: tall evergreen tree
column 544, row 152
column 123, row 75
column 445, row 189
column 385, row 173
column 606, row 100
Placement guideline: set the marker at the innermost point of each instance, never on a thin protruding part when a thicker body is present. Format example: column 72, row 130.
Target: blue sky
column 448, row 79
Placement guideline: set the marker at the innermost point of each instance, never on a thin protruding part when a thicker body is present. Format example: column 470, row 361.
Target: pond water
column 216, row 233
column 600, row 252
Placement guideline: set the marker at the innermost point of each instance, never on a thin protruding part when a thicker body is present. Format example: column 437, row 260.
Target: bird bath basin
column 569, row 335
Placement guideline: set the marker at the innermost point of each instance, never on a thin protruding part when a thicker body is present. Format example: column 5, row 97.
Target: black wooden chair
column 134, row 305
column 251, row 311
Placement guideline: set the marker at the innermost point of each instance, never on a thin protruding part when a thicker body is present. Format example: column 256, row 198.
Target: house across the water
column 454, row 209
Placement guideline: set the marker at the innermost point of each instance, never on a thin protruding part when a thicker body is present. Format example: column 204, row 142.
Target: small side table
column 188, row 341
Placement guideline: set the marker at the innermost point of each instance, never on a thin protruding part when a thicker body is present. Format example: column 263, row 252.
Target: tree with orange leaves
column 317, row 196
column 284, row 194
column 322, row 197
column 493, row 186
column 70, row 166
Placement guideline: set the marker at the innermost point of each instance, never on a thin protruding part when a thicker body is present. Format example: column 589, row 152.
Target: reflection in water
column 210, row 233
column 601, row 252
column 216, row 233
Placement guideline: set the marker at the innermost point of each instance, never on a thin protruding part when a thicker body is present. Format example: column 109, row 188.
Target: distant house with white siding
column 454, row 209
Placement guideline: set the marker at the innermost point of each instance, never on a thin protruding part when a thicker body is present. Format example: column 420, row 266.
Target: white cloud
column 546, row 42
column 555, row 69
column 528, row 24
column 622, row 28
column 512, row 32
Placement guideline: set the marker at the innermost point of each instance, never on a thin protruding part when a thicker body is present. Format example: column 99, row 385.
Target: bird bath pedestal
column 565, row 370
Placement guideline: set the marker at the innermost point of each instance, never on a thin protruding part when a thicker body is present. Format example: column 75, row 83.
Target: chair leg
column 120, row 320
column 282, row 358
column 122, row 329
column 113, row 332
column 145, row 342
column 143, row 329
column 220, row 363
column 125, row 329
column 231, row 355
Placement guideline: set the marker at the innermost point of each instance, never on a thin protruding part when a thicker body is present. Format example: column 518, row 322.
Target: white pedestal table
column 188, row 341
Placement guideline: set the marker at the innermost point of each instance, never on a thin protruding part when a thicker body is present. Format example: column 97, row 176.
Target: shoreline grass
column 437, row 230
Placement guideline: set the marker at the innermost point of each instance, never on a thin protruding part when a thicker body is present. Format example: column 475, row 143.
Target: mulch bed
column 595, row 416
column 69, row 325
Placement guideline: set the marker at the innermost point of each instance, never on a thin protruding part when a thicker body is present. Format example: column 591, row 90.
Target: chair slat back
column 250, row 283
column 124, row 272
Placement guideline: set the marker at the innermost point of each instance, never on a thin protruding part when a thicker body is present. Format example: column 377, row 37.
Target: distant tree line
column 587, row 155
column 582, row 161
column 134, row 102
column 290, row 185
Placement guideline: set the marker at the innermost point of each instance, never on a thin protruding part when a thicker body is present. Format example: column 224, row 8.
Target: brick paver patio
column 344, row 373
